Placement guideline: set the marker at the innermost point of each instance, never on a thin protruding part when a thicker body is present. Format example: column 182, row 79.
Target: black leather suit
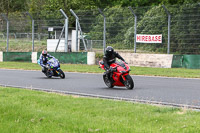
column 109, row 59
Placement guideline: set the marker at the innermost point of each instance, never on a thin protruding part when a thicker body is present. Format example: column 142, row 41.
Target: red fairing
column 122, row 69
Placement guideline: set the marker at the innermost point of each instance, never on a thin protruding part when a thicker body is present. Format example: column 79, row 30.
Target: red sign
column 141, row 38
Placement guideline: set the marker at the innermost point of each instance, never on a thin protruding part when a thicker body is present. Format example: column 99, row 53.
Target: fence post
column 66, row 30
column 79, row 26
column 104, row 30
column 4, row 16
column 169, row 24
column 60, row 38
column 135, row 27
column 32, row 30
column 76, row 35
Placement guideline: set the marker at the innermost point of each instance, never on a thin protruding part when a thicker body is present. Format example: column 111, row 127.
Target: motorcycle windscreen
column 54, row 62
column 120, row 63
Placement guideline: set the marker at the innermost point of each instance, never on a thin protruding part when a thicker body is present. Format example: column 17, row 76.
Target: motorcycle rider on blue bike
column 109, row 58
column 43, row 60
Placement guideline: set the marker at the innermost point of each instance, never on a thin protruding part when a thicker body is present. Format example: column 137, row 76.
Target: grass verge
column 33, row 111
column 22, row 45
column 167, row 72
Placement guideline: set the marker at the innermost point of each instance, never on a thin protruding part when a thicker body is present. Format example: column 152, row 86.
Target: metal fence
column 117, row 27
column 29, row 32
column 179, row 26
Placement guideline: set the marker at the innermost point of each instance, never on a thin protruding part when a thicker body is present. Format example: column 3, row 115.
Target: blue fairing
column 54, row 63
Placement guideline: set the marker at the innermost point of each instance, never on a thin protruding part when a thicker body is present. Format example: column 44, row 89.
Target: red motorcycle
column 119, row 75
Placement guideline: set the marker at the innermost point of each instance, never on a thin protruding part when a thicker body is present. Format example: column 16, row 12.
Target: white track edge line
column 109, row 97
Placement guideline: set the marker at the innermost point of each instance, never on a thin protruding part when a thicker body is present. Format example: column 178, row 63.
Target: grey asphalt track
column 169, row 91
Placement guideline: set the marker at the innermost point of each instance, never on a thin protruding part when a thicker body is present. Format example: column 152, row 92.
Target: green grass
column 22, row 45
column 33, row 111
column 168, row 72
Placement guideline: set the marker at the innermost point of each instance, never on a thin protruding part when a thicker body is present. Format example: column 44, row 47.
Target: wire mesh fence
column 185, row 29
column 182, row 30
column 20, row 30
column 118, row 25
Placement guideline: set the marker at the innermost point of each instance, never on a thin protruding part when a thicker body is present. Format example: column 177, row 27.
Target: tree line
column 185, row 28
column 8, row 6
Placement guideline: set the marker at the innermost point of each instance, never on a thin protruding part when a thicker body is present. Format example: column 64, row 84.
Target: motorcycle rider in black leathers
column 43, row 60
column 109, row 58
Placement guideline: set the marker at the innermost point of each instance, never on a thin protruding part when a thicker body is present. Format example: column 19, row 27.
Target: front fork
column 123, row 76
column 57, row 71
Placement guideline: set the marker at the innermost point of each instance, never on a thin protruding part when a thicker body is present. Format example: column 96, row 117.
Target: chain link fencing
column 20, row 30
column 182, row 29
column 181, row 25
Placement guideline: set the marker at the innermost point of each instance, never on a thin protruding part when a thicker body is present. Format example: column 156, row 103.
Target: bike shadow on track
column 49, row 78
column 116, row 88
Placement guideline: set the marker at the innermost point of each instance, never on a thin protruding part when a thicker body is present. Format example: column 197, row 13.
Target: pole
column 60, row 38
column 32, row 30
column 66, row 35
column 79, row 26
column 33, row 35
column 104, row 30
column 7, row 36
column 169, row 24
column 66, row 30
column 135, row 27
column 4, row 16
column 76, row 35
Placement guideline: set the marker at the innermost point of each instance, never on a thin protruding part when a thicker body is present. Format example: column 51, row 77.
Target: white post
column 91, row 58
column 34, row 57
column 1, row 56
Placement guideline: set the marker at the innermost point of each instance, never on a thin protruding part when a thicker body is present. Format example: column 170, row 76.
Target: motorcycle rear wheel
column 129, row 84
column 107, row 81
column 62, row 74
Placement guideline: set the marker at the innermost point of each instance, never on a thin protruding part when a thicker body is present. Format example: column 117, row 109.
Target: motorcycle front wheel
column 129, row 84
column 107, row 81
column 62, row 74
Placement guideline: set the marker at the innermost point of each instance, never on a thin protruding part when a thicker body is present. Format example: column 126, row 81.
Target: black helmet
column 109, row 50
column 44, row 53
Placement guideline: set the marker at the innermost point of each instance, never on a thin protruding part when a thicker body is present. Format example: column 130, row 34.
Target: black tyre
column 62, row 74
column 107, row 81
column 48, row 74
column 129, row 84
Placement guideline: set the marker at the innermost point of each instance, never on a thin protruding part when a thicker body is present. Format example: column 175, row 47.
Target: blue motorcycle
column 53, row 66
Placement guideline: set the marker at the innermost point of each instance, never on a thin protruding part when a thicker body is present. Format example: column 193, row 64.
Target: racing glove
column 47, row 66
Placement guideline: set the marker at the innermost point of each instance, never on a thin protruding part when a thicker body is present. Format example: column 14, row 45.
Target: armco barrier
column 17, row 56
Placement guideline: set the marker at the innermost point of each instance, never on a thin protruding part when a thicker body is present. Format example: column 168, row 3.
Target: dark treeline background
column 33, row 6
